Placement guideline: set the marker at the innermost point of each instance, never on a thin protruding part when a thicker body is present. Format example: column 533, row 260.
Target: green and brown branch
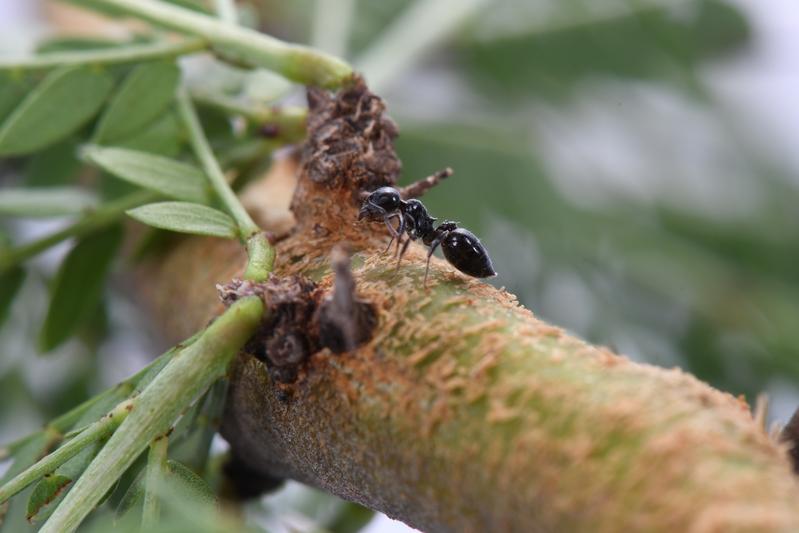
column 464, row 412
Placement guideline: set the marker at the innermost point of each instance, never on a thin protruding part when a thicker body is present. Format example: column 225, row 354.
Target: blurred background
column 631, row 165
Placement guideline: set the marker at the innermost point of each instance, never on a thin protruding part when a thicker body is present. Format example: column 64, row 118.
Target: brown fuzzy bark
column 464, row 412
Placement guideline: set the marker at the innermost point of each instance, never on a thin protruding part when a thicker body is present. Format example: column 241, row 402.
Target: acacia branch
column 464, row 412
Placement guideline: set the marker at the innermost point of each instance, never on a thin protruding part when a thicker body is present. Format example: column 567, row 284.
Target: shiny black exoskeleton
column 460, row 246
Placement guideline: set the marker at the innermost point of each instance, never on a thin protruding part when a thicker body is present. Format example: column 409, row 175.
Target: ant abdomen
column 465, row 252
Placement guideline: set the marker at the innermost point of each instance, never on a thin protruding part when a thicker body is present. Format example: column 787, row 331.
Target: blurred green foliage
column 649, row 43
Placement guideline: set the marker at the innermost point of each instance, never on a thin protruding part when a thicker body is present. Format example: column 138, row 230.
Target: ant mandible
column 461, row 247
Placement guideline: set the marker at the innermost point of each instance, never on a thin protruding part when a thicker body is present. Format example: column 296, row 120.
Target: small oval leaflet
column 144, row 95
column 161, row 174
column 46, row 201
column 185, row 217
column 78, row 286
column 10, row 282
column 61, row 103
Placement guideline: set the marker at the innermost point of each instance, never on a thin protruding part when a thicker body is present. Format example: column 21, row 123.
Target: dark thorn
column 418, row 188
column 344, row 321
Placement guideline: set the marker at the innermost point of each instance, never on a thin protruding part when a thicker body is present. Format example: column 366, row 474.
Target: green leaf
column 51, row 489
column 162, row 137
column 56, row 165
column 190, row 441
column 12, row 91
column 12, row 517
column 160, row 174
column 46, row 491
column 349, row 518
column 189, row 484
column 10, row 282
column 66, row 99
column 142, row 98
column 131, row 501
column 649, row 42
column 46, row 201
column 184, row 217
column 181, row 485
column 71, row 43
column 78, row 286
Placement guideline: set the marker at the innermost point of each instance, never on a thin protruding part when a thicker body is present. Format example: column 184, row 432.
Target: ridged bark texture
column 464, row 412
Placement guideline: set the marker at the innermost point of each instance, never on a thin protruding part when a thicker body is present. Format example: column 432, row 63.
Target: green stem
column 96, row 431
column 289, row 120
column 261, row 258
column 187, row 376
column 134, row 53
column 226, row 11
column 153, row 479
column 260, row 252
column 298, row 63
column 92, row 221
column 202, row 149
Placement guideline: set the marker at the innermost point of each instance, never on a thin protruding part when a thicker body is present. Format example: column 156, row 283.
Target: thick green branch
column 189, row 373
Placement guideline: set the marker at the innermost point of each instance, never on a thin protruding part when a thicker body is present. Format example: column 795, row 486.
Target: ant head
column 380, row 202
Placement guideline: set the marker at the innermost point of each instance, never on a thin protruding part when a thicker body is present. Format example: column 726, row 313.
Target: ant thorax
column 419, row 220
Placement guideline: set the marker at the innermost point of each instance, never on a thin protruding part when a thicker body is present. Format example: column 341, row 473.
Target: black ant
column 461, row 247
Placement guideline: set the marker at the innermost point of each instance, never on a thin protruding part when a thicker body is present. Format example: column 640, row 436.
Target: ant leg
column 402, row 253
column 389, row 244
column 391, row 230
column 432, row 249
column 401, row 230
